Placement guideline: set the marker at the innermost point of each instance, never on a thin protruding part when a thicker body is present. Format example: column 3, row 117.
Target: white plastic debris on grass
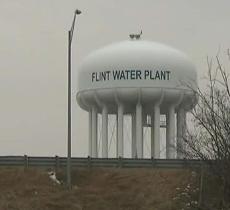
column 52, row 176
column 185, row 194
column 193, row 174
column 188, row 204
column 194, row 202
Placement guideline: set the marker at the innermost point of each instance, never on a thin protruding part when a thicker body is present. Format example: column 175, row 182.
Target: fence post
column 120, row 162
column 153, row 162
column 89, row 162
column 57, row 163
column 26, row 162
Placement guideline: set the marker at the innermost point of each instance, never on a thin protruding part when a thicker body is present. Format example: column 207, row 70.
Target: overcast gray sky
column 33, row 52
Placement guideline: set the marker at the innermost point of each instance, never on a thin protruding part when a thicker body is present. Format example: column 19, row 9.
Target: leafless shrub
column 209, row 140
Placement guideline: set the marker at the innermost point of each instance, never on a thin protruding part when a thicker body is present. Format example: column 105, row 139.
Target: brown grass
column 93, row 189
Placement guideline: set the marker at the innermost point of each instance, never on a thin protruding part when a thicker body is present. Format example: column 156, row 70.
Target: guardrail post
column 89, row 162
column 153, row 162
column 26, row 162
column 120, row 162
column 185, row 163
column 57, row 163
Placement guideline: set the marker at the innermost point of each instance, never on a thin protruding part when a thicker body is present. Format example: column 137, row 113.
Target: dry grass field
column 99, row 189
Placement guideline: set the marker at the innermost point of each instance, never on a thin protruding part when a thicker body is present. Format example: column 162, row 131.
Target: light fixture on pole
column 70, row 37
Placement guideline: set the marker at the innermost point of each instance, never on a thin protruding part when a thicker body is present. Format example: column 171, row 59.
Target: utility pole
column 69, row 135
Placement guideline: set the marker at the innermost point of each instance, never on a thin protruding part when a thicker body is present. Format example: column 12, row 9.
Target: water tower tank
column 137, row 78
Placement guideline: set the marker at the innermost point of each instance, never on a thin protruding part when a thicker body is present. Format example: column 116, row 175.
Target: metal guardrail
column 57, row 162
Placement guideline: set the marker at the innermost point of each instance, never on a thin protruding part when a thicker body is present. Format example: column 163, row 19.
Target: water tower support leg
column 155, row 133
column 139, row 131
column 134, row 144
column 180, row 132
column 105, row 132
column 170, row 133
column 94, row 132
column 90, row 133
column 120, row 119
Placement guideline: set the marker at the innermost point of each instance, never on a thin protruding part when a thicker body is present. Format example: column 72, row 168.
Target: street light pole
column 70, row 37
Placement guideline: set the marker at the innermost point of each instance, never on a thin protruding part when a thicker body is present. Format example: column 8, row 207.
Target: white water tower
column 145, row 80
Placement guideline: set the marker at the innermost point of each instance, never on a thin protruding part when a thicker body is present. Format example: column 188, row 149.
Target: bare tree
column 210, row 138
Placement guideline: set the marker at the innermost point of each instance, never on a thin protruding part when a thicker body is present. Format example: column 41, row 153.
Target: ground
column 99, row 189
